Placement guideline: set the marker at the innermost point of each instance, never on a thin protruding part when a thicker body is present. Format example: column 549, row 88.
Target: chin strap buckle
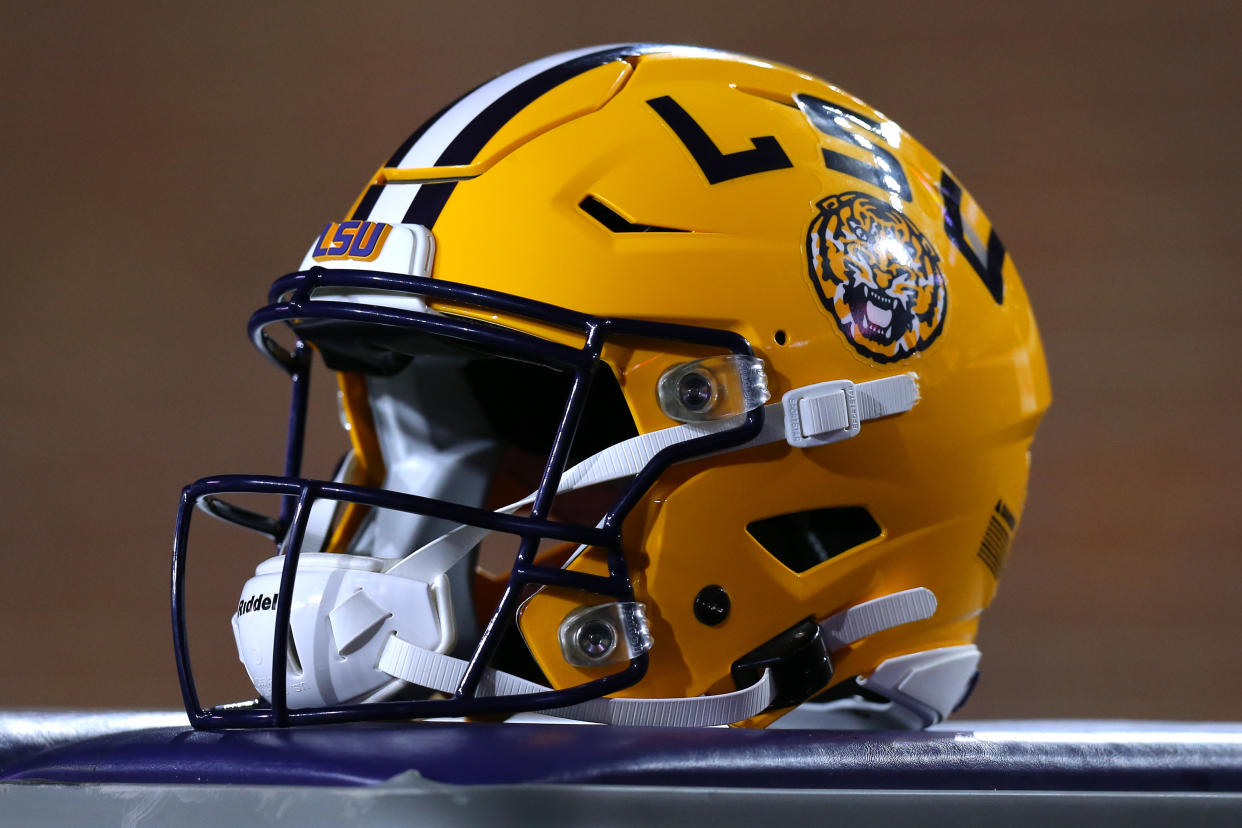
column 827, row 412
column 797, row 661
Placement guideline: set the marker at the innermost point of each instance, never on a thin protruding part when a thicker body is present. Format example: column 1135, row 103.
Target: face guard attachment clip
column 713, row 388
column 605, row 634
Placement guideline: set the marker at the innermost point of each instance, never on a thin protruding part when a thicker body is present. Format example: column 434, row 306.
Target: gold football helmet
column 762, row 366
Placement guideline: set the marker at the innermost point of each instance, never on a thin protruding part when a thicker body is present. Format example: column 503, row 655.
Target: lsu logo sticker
column 877, row 275
column 358, row 240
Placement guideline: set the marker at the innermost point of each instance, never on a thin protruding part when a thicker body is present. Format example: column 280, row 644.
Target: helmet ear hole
column 801, row 540
column 712, row 605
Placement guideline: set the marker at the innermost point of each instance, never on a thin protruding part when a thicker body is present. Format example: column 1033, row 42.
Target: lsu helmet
column 679, row 388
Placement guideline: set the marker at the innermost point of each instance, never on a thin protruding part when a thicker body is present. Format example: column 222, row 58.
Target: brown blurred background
column 160, row 165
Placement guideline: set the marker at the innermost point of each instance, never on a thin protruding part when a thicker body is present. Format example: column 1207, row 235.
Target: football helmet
column 680, row 388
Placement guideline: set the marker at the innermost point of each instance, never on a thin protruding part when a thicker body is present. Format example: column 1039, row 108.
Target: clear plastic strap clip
column 605, row 634
column 714, row 388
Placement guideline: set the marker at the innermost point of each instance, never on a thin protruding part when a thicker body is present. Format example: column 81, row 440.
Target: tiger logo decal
column 877, row 275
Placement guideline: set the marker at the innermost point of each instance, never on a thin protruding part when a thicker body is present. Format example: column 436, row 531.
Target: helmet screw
column 711, row 605
column 695, row 391
column 596, row 639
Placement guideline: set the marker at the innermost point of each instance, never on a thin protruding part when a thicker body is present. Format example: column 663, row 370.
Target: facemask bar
column 292, row 303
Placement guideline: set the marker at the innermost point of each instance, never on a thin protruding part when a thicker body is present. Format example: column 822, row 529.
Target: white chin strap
column 427, row 668
column 437, row 671
column 811, row 416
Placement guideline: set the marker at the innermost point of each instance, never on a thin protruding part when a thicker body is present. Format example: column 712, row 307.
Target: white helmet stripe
column 456, row 135
column 429, row 149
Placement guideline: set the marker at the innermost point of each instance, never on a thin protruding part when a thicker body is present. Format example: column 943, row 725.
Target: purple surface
column 478, row 753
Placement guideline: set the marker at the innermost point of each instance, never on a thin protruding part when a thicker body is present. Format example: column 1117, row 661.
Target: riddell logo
column 258, row 602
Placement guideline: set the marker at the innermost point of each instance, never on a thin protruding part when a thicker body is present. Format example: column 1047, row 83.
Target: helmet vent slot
column 617, row 223
column 802, row 540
